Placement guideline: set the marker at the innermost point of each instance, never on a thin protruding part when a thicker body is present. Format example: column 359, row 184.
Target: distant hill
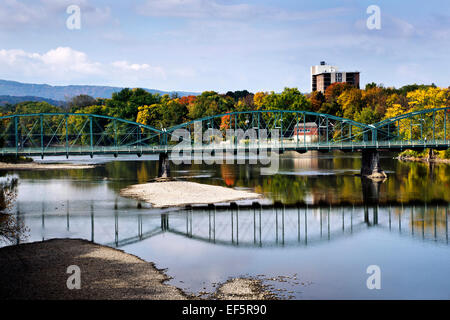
column 62, row 93
column 15, row 99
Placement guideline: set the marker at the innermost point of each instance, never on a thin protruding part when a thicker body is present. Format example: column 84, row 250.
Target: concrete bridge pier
column 163, row 165
column 370, row 166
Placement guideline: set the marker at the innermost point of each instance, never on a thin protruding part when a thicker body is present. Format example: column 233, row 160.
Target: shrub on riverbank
column 14, row 159
column 445, row 154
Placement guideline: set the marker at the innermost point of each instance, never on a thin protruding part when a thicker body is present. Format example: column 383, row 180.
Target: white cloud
column 66, row 64
column 125, row 66
column 60, row 61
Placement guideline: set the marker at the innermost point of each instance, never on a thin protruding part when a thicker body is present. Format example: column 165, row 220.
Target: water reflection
column 240, row 226
column 11, row 228
column 310, row 178
column 328, row 224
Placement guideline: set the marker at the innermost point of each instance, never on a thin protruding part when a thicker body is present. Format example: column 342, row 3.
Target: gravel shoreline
column 38, row 271
column 182, row 193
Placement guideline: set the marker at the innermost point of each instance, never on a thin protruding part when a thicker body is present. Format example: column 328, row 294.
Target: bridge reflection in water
column 242, row 226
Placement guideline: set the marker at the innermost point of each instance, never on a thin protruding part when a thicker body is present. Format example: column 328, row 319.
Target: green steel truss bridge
column 68, row 134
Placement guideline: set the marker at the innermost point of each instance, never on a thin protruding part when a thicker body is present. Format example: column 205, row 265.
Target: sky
column 198, row 45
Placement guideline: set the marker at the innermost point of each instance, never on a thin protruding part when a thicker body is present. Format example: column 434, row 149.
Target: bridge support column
column 163, row 165
column 370, row 166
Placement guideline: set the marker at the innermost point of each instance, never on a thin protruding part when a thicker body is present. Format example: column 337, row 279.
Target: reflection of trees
column 10, row 227
column 420, row 181
column 228, row 174
column 407, row 182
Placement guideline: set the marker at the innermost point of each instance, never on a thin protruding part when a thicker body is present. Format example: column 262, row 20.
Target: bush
column 445, row 154
column 413, row 153
column 14, row 159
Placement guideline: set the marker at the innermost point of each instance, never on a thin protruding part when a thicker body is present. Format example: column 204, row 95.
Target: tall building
column 323, row 75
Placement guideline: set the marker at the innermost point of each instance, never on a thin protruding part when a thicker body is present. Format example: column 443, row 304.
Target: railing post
column 281, row 134
column 304, row 129
column 115, row 135
column 16, row 135
column 374, row 135
column 259, row 131
column 67, row 136
column 434, row 126
column 445, row 126
column 41, row 118
column 92, row 136
column 410, row 131
column 296, row 131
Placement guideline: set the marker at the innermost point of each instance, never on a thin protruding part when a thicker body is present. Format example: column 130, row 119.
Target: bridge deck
column 254, row 147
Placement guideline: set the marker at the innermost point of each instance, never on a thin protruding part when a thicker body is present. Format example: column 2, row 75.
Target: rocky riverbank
column 39, row 271
column 43, row 166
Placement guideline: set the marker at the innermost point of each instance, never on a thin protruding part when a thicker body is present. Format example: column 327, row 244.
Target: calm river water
column 326, row 228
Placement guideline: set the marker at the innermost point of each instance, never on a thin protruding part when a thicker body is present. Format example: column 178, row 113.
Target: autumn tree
column 209, row 103
column 428, row 98
column 332, row 93
column 351, row 102
column 375, row 98
column 316, row 99
column 258, row 99
column 334, row 90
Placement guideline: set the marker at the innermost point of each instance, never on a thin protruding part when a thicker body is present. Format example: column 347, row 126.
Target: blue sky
column 197, row 45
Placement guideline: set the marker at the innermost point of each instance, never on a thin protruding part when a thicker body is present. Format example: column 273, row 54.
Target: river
column 327, row 227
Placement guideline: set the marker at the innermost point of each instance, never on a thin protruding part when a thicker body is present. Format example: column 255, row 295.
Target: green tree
column 80, row 101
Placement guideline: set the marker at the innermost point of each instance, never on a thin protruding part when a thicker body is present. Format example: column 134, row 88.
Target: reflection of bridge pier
column 164, row 222
column 370, row 190
column 163, row 165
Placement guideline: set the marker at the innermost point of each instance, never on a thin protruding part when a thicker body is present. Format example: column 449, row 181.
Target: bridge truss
column 67, row 134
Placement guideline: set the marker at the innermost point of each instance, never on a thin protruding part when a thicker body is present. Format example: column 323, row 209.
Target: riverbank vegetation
column 15, row 159
column 369, row 105
column 11, row 228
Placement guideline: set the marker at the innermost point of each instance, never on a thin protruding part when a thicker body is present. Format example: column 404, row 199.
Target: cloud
column 66, row 64
column 62, row 60
column 135, row 67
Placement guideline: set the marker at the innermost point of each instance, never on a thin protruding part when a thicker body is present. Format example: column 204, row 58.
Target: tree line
column 369, row 105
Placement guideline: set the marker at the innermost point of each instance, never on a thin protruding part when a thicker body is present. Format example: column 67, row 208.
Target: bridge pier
column 163, row 165
column 370, row 164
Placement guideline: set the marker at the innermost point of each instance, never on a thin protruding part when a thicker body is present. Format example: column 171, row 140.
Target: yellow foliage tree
column 258, row 99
